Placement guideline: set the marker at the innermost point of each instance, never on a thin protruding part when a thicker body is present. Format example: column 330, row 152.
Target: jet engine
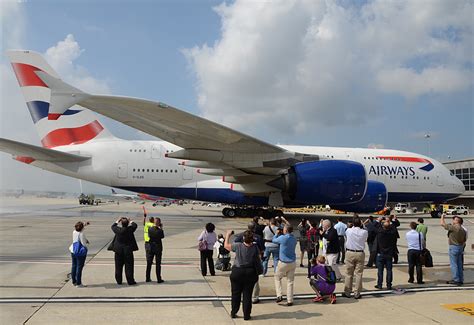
column 323, row 182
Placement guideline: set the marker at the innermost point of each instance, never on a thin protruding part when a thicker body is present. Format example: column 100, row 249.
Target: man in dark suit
column 332, row 250
column 124, row 245
column 395, row 224
column 156, row 234
column 384, row 247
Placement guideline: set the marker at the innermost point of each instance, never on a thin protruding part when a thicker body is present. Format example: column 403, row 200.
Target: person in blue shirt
column 341, row 228
column 286, row 264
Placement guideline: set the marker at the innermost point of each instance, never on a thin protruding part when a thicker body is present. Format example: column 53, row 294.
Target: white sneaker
column 80, row 286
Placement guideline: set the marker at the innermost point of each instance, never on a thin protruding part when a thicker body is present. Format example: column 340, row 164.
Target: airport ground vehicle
column 87, row 199
column 457, row 210
column 202, row 160
column 404, row 208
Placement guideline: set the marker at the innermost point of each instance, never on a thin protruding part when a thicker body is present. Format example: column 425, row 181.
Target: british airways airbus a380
column 202, row 160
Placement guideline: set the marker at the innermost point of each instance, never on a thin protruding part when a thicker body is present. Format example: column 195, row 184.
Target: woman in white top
column 207, row 240
column 78, row 261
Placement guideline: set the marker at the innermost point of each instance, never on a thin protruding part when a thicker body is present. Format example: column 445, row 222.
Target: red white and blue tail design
column 49, row 103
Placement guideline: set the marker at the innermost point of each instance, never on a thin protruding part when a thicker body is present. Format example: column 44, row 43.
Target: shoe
column 357, row 296
column 279, row 299
column 411, row 281
column 248, row 318
column 318, row 299
column 339, row 280
column 389, row 287
column 233, row 315
column 301, row 265
column 132, row 283
column 422, row 282
column 347, row 295
column 455, row 283
column 80, row 286
column 377, row 287
column 367, row 265
column 255, row 301
column 289, row 304
column 332, row 299
column 160, row 281
column 148, row 280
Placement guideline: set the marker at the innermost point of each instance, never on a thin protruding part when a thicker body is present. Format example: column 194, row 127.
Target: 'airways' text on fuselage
column 392, row 170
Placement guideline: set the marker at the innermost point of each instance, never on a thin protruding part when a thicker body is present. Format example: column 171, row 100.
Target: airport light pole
column 427, row 137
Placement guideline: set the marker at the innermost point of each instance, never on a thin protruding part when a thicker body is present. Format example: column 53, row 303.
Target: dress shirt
column 356, row 238
column 413, row 239
column 341, row 228
column 287, row 247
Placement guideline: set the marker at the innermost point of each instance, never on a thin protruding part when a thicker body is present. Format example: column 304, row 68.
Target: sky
column 328, row 73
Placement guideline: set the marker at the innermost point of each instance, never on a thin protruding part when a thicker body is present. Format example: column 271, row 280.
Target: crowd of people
column 326, row 246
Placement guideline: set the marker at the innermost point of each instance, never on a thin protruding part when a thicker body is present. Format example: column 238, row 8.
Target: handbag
column 111, row 245
column 202, row 244
column 425, row 256
column 79, row 250
column 258, row 262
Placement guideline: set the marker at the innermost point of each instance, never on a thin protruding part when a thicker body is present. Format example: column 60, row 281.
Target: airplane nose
column 459, row 186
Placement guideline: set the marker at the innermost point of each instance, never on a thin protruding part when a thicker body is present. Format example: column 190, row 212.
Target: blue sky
column 336, row 73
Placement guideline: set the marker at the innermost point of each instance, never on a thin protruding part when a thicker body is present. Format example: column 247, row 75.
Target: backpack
column 330, row 275
column 78, row 250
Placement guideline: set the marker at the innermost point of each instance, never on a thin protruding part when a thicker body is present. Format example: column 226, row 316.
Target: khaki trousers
column 354, row 268
column 285, row 270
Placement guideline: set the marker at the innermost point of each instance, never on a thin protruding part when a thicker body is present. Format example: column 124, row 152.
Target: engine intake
column 374, row 200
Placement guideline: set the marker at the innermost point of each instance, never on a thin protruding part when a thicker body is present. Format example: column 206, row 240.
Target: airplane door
column 122, row 170
column 156, row 151
column 187, row 173
column 439, row 180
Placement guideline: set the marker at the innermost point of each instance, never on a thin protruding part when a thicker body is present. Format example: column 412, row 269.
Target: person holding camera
column 287, row 263
column 332, row 246
column 247, row 266
column 155, row 234
column 456, row 238
column 78, row 254
column 206, row 240
column 124, row 245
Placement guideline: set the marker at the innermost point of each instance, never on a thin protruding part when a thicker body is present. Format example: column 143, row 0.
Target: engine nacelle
column 324, row 182
column 375, row 199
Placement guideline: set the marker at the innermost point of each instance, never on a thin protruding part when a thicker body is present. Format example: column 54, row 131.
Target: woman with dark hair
column 245, row 271
column 206, row 240
column 78, row 254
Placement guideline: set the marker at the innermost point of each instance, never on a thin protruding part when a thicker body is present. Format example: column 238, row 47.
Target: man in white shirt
column 341, row 228
column 355, row 256
column 414, row 241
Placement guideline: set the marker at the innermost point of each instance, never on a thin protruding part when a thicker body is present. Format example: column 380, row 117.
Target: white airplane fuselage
column 142, row 166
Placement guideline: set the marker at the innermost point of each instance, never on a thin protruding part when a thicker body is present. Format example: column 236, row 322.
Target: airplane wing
column 201, row 139
column 176, row 126
column 23, row 151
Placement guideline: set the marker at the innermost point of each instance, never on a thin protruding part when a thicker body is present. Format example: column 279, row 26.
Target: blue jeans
column 76, row 271
column 384, row 261
column 275, row 251
column 455, row 260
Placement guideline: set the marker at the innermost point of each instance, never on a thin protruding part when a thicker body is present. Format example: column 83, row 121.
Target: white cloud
column 375, row 146
column 62, row 56
column 317, row 63
column 411, row 84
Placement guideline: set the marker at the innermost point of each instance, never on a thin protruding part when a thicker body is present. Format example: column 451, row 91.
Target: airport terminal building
column 464, row 170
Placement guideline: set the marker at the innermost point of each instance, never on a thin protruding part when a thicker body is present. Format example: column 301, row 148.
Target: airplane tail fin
column 49, row 100
column 113, row 191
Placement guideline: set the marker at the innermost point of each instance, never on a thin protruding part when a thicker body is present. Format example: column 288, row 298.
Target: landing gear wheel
column 465, row 213
column 231, row 213
column 225, row 212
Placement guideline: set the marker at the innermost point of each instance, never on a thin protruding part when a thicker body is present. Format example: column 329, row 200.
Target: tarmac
column 35, row 262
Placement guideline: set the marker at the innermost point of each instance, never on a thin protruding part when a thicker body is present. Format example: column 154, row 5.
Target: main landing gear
column 251, row 212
